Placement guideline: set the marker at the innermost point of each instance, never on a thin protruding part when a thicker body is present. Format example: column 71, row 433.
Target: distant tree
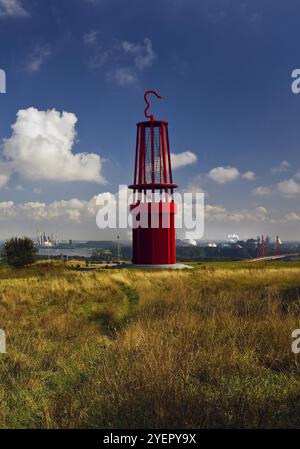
column 19, row 252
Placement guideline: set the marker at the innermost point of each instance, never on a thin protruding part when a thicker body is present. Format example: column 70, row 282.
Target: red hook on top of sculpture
column 151, row 116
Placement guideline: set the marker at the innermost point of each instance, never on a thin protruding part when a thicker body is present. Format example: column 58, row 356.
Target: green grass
column 295, row 263
column 207, row 348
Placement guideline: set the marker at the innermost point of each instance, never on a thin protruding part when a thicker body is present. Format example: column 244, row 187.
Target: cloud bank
column 78, row 217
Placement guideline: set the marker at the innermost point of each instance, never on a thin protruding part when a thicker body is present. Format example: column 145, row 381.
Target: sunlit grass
column 209, row 347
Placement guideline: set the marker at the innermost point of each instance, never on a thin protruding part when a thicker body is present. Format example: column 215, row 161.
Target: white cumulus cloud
column 289, row 187
column 249, row 175
column 5, row 172
column 41, row 148
column 262, row 191
column 222, row 175
column 182, row 159
column 292, row 216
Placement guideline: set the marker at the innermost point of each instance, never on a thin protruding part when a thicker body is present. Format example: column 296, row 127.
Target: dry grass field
column 204, row 348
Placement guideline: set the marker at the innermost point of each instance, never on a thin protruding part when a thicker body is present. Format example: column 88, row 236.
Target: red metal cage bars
column 153, row 168
column 153, row 244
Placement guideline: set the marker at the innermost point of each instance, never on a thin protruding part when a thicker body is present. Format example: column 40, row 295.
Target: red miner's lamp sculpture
column 153, row 207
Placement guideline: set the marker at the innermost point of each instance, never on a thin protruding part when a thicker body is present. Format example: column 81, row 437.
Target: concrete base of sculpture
column 175, row 266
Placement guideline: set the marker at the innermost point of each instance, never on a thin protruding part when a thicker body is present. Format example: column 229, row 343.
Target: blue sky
column 224, row 70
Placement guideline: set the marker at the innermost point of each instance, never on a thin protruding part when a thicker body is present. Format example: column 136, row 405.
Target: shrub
column 19, row 252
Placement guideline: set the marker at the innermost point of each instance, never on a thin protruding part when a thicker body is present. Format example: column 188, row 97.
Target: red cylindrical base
column 155, row 244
